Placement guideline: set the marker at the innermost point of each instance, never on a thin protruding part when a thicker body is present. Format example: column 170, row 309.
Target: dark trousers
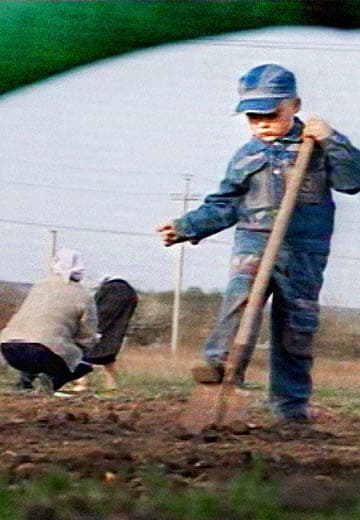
column 116, row 301
column 33, row 358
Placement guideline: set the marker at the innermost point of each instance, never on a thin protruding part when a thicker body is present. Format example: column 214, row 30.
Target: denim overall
column 248, row 197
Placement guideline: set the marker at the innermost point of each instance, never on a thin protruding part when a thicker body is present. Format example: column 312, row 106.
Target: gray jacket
column 61, row 316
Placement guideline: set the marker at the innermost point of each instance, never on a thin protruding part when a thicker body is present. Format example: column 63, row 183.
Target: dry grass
column 159, row 361
column 336, row 382
column 335, row 372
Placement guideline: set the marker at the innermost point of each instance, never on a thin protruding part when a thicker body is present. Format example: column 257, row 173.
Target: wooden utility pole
column 179, row 266
column 53, row 244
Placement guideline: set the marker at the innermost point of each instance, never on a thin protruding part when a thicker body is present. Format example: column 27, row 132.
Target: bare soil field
column 114, row 436
column 117, row 436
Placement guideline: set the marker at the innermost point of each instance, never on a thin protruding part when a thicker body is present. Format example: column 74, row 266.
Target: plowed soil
column 114, row 436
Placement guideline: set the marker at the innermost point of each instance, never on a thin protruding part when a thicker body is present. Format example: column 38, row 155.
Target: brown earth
column 113, row 437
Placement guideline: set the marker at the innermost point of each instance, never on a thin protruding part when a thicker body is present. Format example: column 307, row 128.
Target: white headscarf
column 68, row 264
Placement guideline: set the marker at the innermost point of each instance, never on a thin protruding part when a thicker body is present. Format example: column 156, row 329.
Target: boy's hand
column 317, row 128
column 167, row 232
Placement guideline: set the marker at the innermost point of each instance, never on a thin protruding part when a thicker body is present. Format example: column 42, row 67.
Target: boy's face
column 269, row 127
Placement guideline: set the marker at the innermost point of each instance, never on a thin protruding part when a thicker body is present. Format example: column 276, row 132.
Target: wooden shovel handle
column 257, row 294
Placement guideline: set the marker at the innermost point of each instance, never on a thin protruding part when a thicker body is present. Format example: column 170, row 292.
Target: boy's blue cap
column 262, row 88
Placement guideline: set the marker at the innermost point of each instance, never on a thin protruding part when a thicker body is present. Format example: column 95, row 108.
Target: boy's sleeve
column 343, row 163
column 219, row 211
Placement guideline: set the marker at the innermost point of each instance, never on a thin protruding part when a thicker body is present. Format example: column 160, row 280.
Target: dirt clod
column 239, row 428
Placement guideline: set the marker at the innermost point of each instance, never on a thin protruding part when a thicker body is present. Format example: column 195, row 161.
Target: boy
column 248, row 197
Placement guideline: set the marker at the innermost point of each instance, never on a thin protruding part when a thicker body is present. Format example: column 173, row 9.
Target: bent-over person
column 54, row 327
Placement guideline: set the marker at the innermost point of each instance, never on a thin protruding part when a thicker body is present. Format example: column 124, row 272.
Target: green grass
column 149, row 386
column 344, row 400
column 56, row 496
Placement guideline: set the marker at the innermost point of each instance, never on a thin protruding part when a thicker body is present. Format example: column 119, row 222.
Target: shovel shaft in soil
column 224, row 404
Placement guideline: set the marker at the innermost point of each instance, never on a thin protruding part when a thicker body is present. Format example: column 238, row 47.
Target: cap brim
column 259, row 105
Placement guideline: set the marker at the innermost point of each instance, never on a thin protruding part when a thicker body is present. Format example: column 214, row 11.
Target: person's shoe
column 62, row 394
column 294, row 422
column 43, row 384
column 210, row 371
column 80, row 385
column 25, row 381
column 287, row 426
column 300, row 417
column 23, row 385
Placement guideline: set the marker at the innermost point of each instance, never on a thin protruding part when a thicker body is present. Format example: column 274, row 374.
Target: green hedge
column 39, row 39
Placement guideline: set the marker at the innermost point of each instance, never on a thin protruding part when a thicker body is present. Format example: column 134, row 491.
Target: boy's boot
column 212, row 371
column 208, row 371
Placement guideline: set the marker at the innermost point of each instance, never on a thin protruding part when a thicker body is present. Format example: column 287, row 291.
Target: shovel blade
column 209, row 406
